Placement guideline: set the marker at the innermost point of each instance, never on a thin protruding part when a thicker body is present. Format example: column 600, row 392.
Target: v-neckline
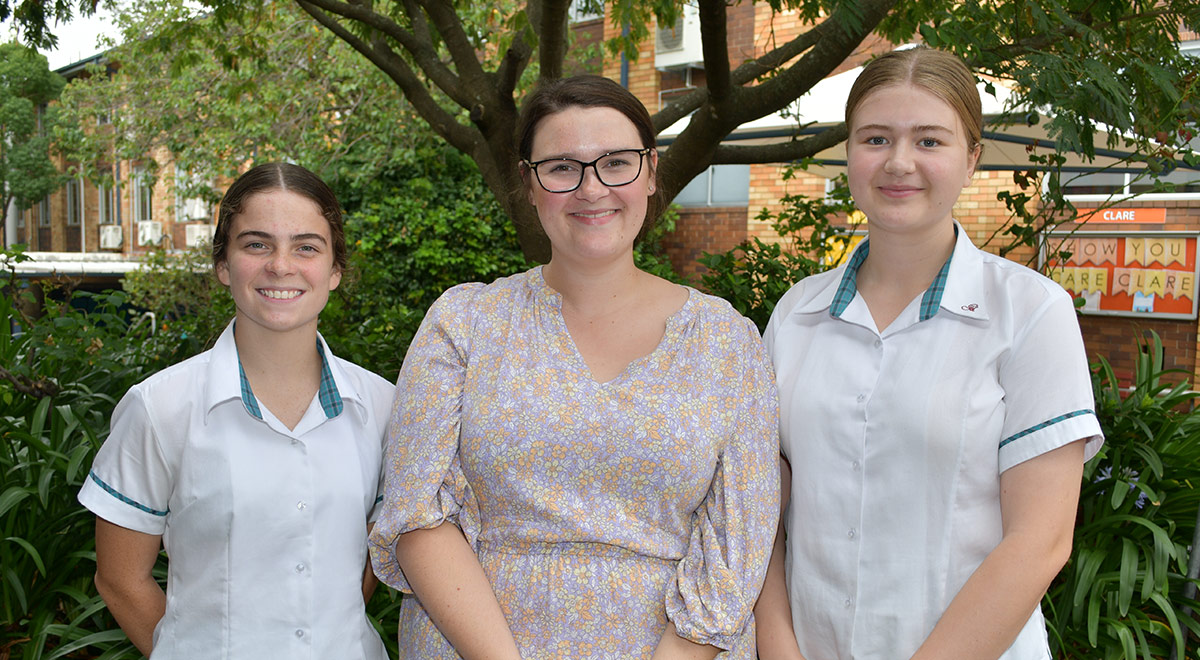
column 670, row 332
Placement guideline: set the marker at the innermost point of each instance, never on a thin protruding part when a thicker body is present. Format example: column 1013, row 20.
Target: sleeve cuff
column 114, row 506
column 1052, row 434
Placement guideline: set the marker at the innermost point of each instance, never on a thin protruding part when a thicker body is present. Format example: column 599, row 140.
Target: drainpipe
column 624, row 60
column 82, row 217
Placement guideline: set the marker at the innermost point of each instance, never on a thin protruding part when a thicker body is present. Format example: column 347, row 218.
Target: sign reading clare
column 1122, row 216
column 1126, row 274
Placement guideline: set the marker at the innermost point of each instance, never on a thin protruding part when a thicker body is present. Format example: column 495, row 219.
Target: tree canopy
column 463, row 66
column 26, row 87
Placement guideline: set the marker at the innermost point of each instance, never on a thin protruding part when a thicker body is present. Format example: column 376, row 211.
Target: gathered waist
column 567, row 548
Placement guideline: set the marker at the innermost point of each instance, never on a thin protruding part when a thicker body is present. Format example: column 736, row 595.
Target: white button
column 878, row 343
column 302, row 505
column 850, row 534
column 300, row 633
column 847, row 602
column 294, row 443
column 299, row 568
column 861, row 397
column 856, row 465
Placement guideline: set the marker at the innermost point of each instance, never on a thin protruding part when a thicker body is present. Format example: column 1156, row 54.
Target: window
column 20, row 218
column 719, row 185
column 188, row 209
column 43, row 213
column 586, row 10
column 74, row 202
column 104, row 205
column 143, row 196
column 1183, row 182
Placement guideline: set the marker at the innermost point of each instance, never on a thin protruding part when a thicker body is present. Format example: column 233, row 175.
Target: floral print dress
column 599, row 511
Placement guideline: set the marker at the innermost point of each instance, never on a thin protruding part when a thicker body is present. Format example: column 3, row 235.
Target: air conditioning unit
column 149, row 232
column 110, row 237
column 196, row 235
column 195, row 209
column 679, row 44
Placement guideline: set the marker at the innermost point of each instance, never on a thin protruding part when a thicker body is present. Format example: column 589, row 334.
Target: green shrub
column 61, row 377
column 754, row 275
column 1121, row 593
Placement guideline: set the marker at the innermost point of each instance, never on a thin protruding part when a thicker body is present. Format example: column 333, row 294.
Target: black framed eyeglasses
column 613, row 169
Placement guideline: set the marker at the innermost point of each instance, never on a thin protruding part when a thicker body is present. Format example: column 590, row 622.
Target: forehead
column 280, row 211
column 583, row 132
column 905, row 104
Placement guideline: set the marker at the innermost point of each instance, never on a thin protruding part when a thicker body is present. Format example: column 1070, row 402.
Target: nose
column 591, row 187
column 280, row 263
column 899, row 160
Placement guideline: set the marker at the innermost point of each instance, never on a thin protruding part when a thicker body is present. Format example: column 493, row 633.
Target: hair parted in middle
column 269, row 177
column 940, row 73
column 588, row 91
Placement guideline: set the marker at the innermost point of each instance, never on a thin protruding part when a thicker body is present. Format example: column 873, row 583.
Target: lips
column 899, row 191
column 280, row 294
column 594, row 217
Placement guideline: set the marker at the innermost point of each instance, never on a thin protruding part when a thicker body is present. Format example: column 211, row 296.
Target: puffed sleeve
column 1047, row 384
column 424, row 484
column 720, row 576
column 131, row 478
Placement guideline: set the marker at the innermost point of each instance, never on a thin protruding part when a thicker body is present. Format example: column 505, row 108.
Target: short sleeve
column 1047, row 386
column 424, row 484
column 131, row 480
column 719, row 578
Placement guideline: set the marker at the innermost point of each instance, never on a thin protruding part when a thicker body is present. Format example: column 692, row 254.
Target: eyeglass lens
column 618, row 168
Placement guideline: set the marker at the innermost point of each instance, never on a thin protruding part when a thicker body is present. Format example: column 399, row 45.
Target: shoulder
column 473, row 298
column 717, row 320
column 365, row 381
column 171, row 389
column 1018, row 288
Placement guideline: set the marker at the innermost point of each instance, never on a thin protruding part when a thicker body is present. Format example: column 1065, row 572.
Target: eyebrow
column 294, row 237
column 924, row 128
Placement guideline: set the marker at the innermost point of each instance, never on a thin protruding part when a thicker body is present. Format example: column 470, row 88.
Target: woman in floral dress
column 582, row 458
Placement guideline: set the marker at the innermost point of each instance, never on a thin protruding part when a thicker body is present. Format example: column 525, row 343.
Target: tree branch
column 38, row 389
column 442, row 122
column 780, row 152
column 464, row 53
column 714, row 44
column 418, row 44
column 552, row 45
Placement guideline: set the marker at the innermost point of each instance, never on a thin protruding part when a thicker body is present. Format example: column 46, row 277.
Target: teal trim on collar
column 849, row 285
column 331, row 399
column 932, row 300
column 248, row 399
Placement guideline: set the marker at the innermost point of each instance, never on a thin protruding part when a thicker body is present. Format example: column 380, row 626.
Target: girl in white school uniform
column 936, row 407
column 255, row 464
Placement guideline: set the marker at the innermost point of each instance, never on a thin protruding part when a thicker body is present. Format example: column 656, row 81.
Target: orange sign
column 1130, row 274
column 1121, row 216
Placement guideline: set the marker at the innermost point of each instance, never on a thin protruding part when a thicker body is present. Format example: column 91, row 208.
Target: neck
column 906, row 262
column 287, row 356
column 595, row 289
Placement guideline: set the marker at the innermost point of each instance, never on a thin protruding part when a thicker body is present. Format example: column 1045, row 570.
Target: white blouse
column 897, row 441
column 264, row 527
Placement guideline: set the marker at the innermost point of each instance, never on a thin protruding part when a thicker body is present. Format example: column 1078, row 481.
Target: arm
column 1038, row 499
column 773, row 613
column 674, row 647
column 124, row 561
column 370, row 582
column 446, row 576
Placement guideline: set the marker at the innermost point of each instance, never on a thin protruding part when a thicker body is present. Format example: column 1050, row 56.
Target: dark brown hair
column 554, row 96
column 280, row 176
column 940, row 73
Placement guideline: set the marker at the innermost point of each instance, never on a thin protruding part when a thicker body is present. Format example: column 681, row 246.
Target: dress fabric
column 598, row 510
column 898, row 439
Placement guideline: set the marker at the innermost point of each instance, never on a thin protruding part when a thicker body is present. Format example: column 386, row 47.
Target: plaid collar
column 930, row 301
column 331, row 400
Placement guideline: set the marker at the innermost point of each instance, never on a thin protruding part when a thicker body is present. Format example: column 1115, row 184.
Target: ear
column 972, row 162
column 653, row 163
column 335, row 278
column 223, row 272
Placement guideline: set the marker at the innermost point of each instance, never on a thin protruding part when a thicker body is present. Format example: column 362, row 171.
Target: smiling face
column 279, row 263
column 594, row 222
column 907, row 160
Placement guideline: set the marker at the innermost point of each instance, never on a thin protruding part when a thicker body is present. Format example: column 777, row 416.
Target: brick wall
column 1115, row 338
column 715, row 229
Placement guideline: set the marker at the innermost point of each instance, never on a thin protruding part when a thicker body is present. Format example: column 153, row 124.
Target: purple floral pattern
column 598, row 510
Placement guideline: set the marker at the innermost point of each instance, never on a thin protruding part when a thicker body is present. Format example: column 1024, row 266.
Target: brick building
column 100, row 232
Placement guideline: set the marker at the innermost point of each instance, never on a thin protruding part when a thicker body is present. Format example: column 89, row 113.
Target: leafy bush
column 60, row 377
column 1121, row 593
column 754, row 275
